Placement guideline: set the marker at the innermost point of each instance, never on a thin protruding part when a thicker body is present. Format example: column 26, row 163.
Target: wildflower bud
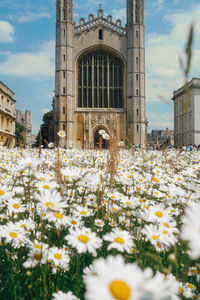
column 28, row 273
column 129, row 213
column 172, row 257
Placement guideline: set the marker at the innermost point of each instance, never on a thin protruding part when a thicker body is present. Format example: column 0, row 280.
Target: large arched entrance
column 99, row 142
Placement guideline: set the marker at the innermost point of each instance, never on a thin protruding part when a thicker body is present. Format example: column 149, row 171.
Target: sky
column 27, row 51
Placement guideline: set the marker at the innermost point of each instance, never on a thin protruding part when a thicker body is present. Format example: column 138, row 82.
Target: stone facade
column 125, row 46
column 7, row 116
column 187, row 114
column 25, row 119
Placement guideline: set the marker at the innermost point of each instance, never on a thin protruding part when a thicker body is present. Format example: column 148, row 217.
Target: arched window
column 100, row 80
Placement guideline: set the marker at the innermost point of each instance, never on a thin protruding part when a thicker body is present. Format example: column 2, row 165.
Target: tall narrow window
column 137, row 128
column 64, row 32
column 137, row 92
column 63, row 57
column 100, row 34
column 63, row 110
column 64, row 90
column 64, row 74
column 137, row 59
column 137, row 76
column 63, row 126
column 100, row 80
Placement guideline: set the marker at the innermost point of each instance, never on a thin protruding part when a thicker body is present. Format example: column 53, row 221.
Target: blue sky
column 27, row 47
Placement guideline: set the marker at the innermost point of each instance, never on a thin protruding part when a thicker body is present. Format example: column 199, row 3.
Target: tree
column 46, row 129
column 19, row 129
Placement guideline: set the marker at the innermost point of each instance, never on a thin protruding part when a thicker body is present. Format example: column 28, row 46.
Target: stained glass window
column 100, row 80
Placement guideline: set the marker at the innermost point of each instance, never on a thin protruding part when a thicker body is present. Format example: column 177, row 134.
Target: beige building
column 187, row 114
column 100, row 76
column 25, row 119
column 7, row 116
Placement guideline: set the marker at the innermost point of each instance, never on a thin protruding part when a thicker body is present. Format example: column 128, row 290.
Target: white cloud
column 30, row 17
column 163, row 52
column 27, row 64
column 6, row 32
column 160, row 121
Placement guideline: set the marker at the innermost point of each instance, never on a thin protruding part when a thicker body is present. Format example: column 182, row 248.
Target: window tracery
column 100, row 80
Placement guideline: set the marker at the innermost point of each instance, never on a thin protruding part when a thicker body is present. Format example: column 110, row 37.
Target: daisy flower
column 61, row 133
column 59, row 219
column 113, row 279
column 13, row 235
column 191, row 230
column 158, row 213
column 15, row 206
column 84, row 240
column 50, row 200
column 64, row 296
column 120, row 240
column 35, row 257
column 59, row 258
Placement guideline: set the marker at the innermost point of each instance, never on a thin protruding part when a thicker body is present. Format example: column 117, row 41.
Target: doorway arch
column 98, row 139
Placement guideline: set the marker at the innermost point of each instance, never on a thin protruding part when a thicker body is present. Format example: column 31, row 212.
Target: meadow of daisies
column 96, row 226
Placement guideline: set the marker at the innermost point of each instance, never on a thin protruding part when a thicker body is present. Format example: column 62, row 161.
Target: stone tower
column 100, row 76
column 136, row 102
column 64, row 86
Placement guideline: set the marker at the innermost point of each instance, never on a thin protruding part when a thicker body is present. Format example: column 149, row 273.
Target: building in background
column 7, row 116
column 100, row 76
column 25, row 120
column 161, row 137
column 187, row 114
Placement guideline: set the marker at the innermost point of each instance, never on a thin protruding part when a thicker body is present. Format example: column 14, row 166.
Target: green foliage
column 19, row 129
column 45, row 130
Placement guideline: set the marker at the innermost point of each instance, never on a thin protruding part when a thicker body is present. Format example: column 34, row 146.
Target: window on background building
column 100, row 80
column 100, row 34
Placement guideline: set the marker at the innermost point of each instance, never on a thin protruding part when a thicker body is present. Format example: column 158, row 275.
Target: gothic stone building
column 100, row 76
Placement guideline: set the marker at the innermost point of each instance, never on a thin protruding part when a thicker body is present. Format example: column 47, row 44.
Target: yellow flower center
column 38, row 256
column 165, row 232
column 166, row 225
column 58, row 215
column 83, row 238
column 157, row 193
column 113, row 197
column 37, row 246
column 13, row 234
column 179, row 179
column 155, row 237
column 119, row 240
column 128, row 203
column 181, row 290
column 58, row 256
column 142, row 201
column 16, row 205
column 98, row 223
column 1, row 193
column 190, row 286
column 173, row 210
column 120, row 290
column 74, row 222
column 22, row 226
column 159, row 214
column 156, row 180
column 83, row 212
column 42, row 178
column 46, row 186
column 140, row 179
column 159, row 245
column 115, row 209
column 48, row 204
column 30, row 164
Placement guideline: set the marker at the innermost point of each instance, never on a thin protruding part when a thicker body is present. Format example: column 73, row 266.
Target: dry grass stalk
column 113, row 156
column 58, row 166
